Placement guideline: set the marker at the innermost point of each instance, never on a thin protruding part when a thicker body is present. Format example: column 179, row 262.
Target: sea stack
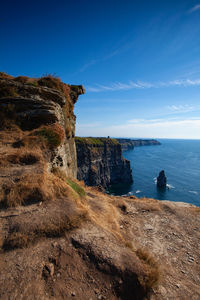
column 161, row 180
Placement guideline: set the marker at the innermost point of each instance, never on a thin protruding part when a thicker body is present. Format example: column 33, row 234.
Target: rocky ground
column 93, row 262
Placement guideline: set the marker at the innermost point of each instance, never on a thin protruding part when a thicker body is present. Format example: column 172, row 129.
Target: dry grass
column 54, row 82
column 51, row 229
column 3, row 75
column 195, row 209
column 22, row 79
column 25, row 190
column 46, row 138
column 153, row 274
column 147, row 204
column 75, row 185
column 23, row 157
column 102, row 211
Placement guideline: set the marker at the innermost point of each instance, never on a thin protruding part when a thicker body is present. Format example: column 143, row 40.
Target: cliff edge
column 128, row 144
column 100, row 162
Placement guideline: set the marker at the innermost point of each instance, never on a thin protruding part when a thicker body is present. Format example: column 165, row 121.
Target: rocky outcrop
column 100, row 162
column 32, row 103
column 161, row 180
column 128, row 144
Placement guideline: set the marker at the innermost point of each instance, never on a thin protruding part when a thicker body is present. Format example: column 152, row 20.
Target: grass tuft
column 52, row 134
column 153, row 275
column 76, row 187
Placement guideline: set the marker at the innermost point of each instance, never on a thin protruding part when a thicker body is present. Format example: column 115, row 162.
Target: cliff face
column 32, row 103
column 128, row 144
column 100, row 162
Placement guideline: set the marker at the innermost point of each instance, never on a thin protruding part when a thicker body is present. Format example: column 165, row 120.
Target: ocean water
column 180, row 159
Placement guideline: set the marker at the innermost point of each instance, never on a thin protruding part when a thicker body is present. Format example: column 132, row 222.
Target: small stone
column 148, row 227
column 121, row 226
column 177, row 285
column 58, row 275
column 73, row 294
column 54, row 244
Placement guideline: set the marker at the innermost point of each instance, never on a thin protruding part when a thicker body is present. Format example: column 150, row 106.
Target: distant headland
column 128, row 144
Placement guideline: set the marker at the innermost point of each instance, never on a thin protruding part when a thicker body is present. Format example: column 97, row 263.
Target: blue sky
column 138, row 60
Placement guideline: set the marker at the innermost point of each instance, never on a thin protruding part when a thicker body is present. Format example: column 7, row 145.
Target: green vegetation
column 95, row 141
column 76, row 187
column 53, row 135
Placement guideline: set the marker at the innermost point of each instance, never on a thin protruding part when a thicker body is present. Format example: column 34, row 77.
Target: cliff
column 100, row 162
column 36, row 103
column 128, row 144
column 60, row 239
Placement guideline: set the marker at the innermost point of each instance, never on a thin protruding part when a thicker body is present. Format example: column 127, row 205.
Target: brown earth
column 96, row 246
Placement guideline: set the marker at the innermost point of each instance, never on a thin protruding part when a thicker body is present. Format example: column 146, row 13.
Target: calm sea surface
column 181, row 161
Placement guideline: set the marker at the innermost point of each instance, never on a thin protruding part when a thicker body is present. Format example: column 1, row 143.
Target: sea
column 180, row 159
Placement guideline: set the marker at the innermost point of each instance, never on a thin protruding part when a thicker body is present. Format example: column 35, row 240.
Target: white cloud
column 194, row 8
column 149, row 128
column 117, row 86
column 182, row 108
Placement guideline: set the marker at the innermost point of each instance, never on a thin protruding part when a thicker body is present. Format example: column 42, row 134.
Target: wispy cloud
column 182, row 108
column 194, row 8
column 117, row 86
column 98, row 60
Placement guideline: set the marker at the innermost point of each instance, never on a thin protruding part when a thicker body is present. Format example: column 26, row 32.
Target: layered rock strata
column 32, row 105
column 100, row 162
